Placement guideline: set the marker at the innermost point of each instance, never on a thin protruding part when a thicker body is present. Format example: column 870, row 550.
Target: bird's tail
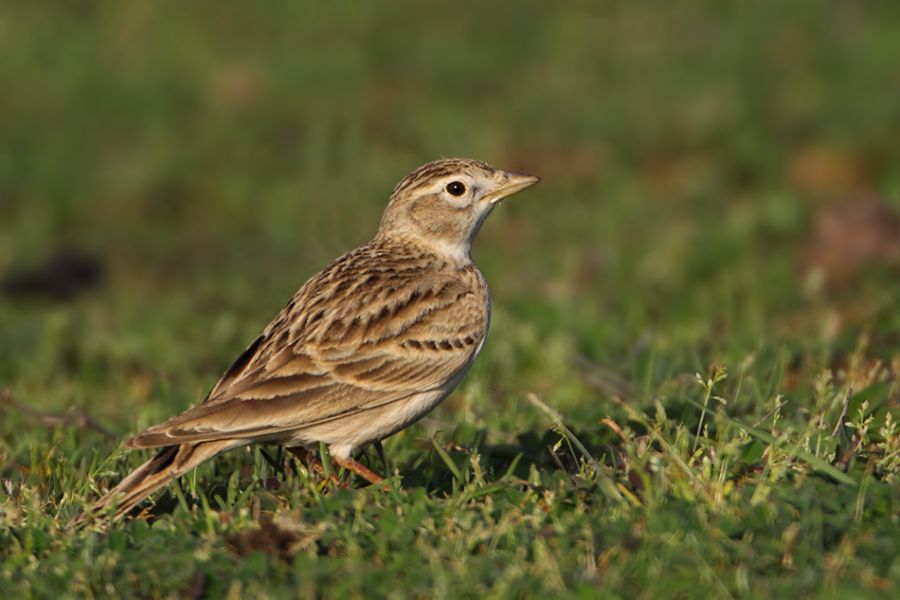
column 167, row 464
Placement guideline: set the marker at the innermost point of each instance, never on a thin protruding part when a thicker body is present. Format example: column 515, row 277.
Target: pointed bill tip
column 513, row 183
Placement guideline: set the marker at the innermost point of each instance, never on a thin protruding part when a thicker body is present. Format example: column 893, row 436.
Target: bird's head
column 442, row 204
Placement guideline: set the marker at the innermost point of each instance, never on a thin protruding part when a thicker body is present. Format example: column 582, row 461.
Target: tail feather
column 167, row 464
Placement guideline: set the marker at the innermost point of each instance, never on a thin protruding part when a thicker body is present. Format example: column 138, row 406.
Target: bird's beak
column 511, row 183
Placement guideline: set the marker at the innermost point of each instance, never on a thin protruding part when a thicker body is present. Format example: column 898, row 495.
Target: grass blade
column 448, row 460
column 606, row 482
column 817, row 463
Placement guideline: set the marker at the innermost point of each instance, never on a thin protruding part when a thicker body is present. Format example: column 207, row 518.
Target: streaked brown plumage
column 364, row 349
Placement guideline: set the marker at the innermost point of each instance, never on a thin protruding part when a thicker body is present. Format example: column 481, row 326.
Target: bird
column 366, row 347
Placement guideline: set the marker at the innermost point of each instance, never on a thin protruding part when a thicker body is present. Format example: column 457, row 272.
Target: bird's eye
column 456, row 188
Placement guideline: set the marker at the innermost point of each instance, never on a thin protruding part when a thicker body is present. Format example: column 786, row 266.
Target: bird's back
column 381, row 324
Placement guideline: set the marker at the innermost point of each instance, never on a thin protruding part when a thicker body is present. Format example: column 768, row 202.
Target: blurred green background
column 209, row 157
column 213, row 156
column 721, row 184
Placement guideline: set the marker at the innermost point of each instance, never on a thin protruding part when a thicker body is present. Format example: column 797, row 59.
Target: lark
column 365, row 348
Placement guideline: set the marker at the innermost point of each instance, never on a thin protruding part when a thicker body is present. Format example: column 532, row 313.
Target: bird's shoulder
column 376, row 291
column 382, row 297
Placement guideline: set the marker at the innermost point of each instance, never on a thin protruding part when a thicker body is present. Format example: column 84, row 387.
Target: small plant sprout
column 718, row 373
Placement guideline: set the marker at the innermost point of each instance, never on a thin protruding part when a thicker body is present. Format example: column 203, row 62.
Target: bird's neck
column 458, row 253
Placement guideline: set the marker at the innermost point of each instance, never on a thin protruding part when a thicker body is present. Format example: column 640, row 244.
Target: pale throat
column 458, row 251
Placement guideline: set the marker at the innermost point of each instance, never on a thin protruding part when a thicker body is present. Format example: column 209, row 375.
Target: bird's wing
column 363, row 351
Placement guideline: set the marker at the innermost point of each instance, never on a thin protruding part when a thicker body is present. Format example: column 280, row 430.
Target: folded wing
column 336, row 350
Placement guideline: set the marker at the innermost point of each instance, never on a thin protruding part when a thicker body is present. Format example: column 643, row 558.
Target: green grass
column 655, row 410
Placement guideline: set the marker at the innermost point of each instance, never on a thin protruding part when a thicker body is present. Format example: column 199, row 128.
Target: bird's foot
column 309, row 459
column 355, row 467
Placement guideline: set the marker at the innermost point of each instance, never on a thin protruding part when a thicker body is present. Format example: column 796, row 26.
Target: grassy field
column 691, row 387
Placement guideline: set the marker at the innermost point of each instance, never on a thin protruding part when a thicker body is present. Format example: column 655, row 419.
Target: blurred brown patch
column 674, row 176
column 823, row 171
column 196, row 587
column 554, row 158
column 63, row 275
column 849, row 236
column 238, row 86
column 280, row 538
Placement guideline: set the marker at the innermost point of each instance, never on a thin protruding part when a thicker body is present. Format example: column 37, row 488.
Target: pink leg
column 309, row 459
column 355, row 467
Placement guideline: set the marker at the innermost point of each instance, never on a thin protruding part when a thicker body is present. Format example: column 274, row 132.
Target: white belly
column 345, row 434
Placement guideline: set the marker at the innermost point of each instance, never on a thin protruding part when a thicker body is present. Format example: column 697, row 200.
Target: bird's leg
column 379, row 448
column 351, row 465
column 309, row 459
